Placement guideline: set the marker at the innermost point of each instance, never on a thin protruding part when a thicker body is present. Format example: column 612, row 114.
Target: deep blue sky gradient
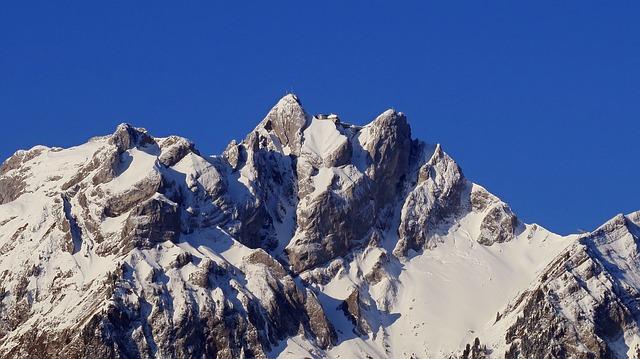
column 537, row 101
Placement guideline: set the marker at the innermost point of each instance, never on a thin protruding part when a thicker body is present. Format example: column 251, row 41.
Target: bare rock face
column 388, row 146
column 11, row 187
column 107, row 161
column 288, row 308
column 201, row 277
column 331, row 223
column 125, row 201
column 127, row 136
column 264, row 161
column 436, row 196
column 584, row 304
column 174, row 149
column 20, row 158
column 155, row 220
column 341, row 156
column 287, row 119
column 498, row 224
column 340, row 202
column 474, row 351
column 14, row 171
column 353, row 308
column 321, row 327
column 234, row 154
column 261, row 257
column 182, row 259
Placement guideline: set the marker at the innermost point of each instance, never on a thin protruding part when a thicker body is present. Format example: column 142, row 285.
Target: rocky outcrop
column 331, row 223
column 474, row 351
column 124, row 138
column 264, row 162
column 261, row 257
column 287, row 119
column 105, row 162
column 126, row 200
column 11, row 187
column 387, row 142
column 354, row 309
column 127, row 136
column 584, row 305
column 174, row 148
column 340, row 203
column 436, row 196
column 288, row 308
column 235, row 155
column 14, row 171
column 153, row 221
column 498, row 224
column 20, row 158
column 325, row 334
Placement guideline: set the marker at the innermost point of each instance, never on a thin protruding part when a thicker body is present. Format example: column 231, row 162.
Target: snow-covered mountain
column 309, row 238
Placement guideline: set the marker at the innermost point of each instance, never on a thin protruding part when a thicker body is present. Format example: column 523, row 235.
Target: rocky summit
column 309, row 238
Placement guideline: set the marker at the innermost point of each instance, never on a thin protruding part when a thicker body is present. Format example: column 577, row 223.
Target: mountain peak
column 290, row 97
column 288, row 102
column 287, row 119
column 391, row 117
column 310, row 238
column 126, row 136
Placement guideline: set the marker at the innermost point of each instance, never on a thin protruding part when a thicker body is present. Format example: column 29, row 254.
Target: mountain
column 309, row 238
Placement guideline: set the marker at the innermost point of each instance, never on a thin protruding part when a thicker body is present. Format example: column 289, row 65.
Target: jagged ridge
column 309, row 237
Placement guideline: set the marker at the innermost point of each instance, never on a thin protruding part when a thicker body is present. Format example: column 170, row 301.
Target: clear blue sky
column 538, row 102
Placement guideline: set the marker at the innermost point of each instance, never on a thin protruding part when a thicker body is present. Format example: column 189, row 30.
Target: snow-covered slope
column 309, row 238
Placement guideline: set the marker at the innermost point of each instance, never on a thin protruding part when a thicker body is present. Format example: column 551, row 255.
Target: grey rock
column 175, row 148
column 201, row 276
column 127, row 136
column 340, row 156
column 234, row 155
column 378, row 271
column 331, row 224
column 287, row 119
column 150, row 222
column 499, row 225
column 19, row 158
column 354, row 309
column 261, row 257
column 11, row 187
column 437, row 196
column 123, row 202
column 14, row 172
column 182, row 259
column 321, row 328
column 584, row 283
column 389, row 150
column 475, row 351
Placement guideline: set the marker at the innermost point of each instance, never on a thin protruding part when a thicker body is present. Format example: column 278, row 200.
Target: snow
column 322, row 137
column 322, row 181
column 285, row 229
column 445, row 296
column 56, row 166
column 453, row 292
column 295, row 347
column 135, row 165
